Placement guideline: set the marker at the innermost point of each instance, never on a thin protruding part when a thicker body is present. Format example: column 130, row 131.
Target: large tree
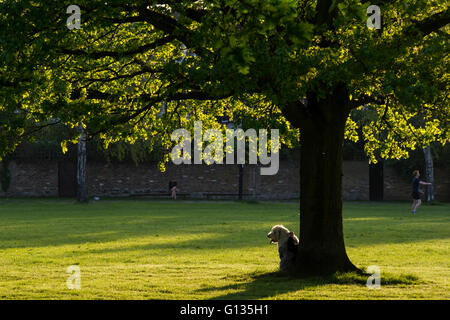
column 298, row 65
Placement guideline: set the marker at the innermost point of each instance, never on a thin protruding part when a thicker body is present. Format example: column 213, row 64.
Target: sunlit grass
column 210, row 250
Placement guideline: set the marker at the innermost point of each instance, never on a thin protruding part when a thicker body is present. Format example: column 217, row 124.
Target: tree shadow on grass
column 267, row 285
column 42, row 223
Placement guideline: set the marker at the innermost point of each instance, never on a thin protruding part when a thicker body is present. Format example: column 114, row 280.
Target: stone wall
column 40, row 179
column 32, row 179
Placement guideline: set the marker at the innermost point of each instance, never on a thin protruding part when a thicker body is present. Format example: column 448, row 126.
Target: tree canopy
column 248, row 59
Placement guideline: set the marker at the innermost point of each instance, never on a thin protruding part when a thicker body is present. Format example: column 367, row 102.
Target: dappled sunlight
column 367, row 219
column 154, row 250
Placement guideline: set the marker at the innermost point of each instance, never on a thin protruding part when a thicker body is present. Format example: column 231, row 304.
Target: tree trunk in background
column 322, row 249
column 241, row 180
column 376, row 181
column 429, row 174
column 5, row 174
column 82, row 192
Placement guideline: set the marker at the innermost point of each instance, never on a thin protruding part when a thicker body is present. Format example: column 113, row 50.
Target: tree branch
column 195, row 14
column 118, row 54
column 165, row 23
column 295, row 112
column 323, row 14
column 366, row 100
column 430, row 24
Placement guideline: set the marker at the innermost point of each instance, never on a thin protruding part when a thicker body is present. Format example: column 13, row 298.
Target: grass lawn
column 210, row 250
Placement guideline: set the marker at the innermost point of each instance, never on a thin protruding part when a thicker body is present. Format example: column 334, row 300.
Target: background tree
column 429, row 174
column 305, row 64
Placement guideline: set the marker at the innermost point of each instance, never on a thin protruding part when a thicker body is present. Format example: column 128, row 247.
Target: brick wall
column 40, row 179
column 31, row 179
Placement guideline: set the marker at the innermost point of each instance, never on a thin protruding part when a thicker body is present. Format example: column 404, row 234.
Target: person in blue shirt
column 416, row 190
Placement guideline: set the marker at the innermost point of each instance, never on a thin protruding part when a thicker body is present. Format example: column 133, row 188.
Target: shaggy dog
column 287, row 245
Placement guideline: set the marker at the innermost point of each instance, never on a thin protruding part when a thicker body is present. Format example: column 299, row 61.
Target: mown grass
column 210, row 250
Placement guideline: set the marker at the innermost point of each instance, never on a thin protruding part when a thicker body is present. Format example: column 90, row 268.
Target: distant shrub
column 5, row 174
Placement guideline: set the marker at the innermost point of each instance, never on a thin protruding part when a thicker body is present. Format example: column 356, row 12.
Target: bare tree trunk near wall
column 254, row 181
column 429, row 174
column 376, row 181
column 241, row 180
column 82, row 192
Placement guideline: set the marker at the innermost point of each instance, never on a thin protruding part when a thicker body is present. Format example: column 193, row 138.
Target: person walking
column 416, row 190
column 173, row 189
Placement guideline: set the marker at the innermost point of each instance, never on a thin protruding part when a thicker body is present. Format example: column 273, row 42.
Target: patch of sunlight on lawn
column 208, row 250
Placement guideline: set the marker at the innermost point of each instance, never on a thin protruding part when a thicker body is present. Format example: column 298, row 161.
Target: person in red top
column 416, row 191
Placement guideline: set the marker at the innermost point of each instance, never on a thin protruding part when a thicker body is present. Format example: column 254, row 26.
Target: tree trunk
column 376, row 181
column 241, row 180
column 82, row 192
column 322, row 249
column 429, row 174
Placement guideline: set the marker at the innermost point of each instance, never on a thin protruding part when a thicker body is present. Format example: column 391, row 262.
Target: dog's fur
column 287, row 245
